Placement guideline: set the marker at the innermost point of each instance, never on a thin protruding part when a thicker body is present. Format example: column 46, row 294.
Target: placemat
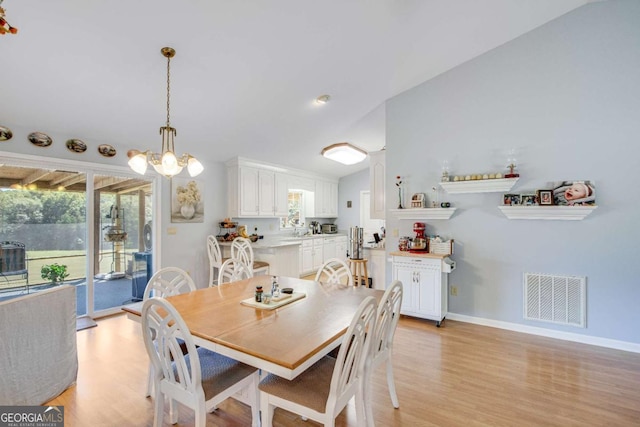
column 251, row 302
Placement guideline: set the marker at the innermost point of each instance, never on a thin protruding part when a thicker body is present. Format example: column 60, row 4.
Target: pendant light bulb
column 194, row 167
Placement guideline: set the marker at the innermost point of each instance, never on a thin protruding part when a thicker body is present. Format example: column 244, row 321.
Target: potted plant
column 54, row 273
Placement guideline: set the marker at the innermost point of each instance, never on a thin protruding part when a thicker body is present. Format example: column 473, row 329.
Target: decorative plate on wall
column 106, row 150
column 40, row 139
column 76, row 146
column 5, row 133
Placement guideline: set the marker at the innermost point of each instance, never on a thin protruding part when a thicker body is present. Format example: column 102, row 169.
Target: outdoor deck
column 107, row 293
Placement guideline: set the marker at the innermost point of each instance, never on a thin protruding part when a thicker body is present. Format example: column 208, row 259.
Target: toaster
column 329, row 229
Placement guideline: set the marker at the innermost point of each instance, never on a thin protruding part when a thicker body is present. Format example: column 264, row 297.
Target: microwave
column 329, row 229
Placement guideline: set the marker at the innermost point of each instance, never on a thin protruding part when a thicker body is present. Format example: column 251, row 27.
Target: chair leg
column 392, row 385
column 201, row 418
column 173, row 411
column 254, row 400
column 267, row 411
column 150, row 381
column 367, row 401
column 361, row 410
column 158, row 405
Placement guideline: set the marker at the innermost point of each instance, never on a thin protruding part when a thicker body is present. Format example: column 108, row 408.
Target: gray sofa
column 38, row 346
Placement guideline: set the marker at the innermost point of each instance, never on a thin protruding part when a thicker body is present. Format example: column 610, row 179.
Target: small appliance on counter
column 419, row 243
column 315, row 227
column 356, row 242
column 329, row 229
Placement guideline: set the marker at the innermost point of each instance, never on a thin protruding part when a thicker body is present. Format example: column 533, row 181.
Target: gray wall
column 350, row 187
column 566, row 97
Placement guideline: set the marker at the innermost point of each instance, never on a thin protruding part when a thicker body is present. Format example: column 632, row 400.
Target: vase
column 187, row 211
column 400, row 198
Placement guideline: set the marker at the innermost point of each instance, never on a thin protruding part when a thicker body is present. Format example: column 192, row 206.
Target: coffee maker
column 419, row 243
column 315, row 227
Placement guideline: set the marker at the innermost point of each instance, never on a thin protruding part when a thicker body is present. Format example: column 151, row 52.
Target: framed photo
column 511, row 199
column 187, row 204
column 574, row 193
column 545, row 197
column 529, row 200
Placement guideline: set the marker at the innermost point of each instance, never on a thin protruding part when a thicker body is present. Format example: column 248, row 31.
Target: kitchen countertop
column 418, row 254
column 277, row 241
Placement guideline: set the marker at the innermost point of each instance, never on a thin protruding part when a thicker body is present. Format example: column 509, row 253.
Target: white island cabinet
column 424, row 279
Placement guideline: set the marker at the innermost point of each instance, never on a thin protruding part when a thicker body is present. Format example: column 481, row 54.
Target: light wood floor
column 457, row 375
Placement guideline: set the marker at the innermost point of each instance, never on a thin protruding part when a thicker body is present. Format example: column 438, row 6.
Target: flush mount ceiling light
column 165, row 163
column 344, row 153
column 323, row 99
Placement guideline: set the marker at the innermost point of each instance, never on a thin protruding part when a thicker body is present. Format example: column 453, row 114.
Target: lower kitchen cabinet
column 425, row 283
column 376, row 267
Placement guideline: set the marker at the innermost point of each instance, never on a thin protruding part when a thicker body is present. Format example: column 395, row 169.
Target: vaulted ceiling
column 246, row 72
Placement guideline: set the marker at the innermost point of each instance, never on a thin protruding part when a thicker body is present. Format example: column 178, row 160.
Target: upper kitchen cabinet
column 377, row 160
column 256, row 192
column 326, row 199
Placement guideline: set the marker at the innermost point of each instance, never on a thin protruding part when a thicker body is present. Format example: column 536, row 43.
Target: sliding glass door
column 63, row 226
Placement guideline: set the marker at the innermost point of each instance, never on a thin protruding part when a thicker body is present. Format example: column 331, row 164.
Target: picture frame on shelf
column 511, row 199
column 529, row 200
column 545, row 197
column 574, row 193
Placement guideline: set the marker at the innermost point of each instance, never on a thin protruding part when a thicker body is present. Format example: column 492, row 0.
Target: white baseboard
column 567, row 336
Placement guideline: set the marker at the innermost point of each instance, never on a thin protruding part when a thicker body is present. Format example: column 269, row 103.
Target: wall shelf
column 423, row 213
column 479, row 186
column 567, row 213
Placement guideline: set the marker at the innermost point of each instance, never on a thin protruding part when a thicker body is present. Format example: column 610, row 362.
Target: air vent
column 555, row 299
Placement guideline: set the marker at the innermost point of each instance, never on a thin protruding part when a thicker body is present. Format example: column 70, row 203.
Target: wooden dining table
column 284, row 341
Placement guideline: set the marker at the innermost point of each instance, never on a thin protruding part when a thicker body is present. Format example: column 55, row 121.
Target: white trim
column 533, row 330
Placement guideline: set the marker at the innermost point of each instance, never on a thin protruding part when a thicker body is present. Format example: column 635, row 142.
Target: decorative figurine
column 399, row 185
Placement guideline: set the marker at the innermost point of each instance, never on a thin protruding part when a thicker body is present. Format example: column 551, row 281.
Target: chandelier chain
column 168, row 87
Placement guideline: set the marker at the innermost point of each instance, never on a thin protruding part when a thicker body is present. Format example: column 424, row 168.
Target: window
column 295, row 217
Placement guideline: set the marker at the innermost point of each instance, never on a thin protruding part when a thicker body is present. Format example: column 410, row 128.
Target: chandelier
column 165, row 163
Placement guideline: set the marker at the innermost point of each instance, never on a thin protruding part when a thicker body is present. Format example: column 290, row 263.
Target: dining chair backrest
column 388, row 315
column 233, row 270
column 382, row 345
column 165, row 336
column 335, row 270
column 241, row 249
column 196, row 377
column 215, row 259
column 348, row 372
column 169, row 281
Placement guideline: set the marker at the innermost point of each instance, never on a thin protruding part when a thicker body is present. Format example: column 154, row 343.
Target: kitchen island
column 282, row 255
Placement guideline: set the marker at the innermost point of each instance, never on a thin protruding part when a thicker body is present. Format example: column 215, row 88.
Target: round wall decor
column 40, row 139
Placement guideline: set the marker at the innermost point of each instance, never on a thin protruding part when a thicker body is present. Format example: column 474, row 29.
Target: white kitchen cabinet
column 254, row 192
column 281, row 195
column 326, row 199
column 377, row 161
column 266, row 193
column 425, row 284
column 317, row 254
column 329, row 249
column 341, row 247
column 376, row 267
column 248, row 192
column 307, row 257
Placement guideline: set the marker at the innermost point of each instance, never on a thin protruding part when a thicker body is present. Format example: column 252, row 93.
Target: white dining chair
column 233, row 270
column 164, row 283
column 382, row 344
column 335, row 270
column 324, row 389
column 241, row 249
column 215, row 259
column 199, row 379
